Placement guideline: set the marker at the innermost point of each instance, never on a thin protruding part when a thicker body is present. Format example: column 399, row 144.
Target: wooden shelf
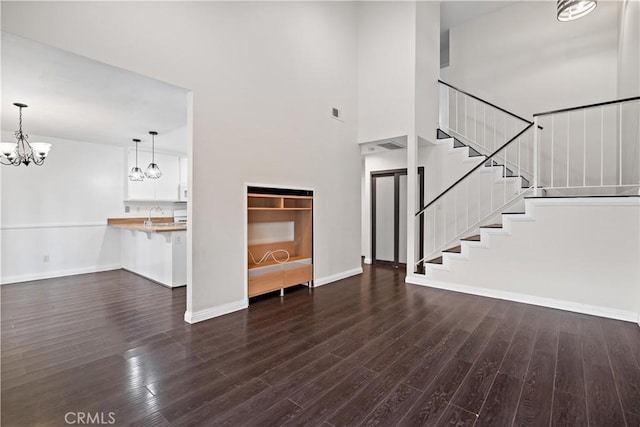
column 271, row 262
column 279, row 209
column 271, row 275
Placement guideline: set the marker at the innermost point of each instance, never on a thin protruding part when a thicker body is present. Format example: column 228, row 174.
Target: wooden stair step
column 435, row 261
column 455, row 250
column 491, row 226
column 475, row 238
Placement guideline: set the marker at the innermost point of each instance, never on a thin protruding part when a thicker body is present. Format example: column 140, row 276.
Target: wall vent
column 391, row 145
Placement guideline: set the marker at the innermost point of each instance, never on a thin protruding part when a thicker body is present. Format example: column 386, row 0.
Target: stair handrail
column 584, row 107
column 478, row 166
column 485, row 102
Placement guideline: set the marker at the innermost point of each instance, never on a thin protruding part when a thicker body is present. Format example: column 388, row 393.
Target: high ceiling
column 453, row 13
column 76, row 98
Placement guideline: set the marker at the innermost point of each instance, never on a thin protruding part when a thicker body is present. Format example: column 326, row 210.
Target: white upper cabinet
column 165, row 188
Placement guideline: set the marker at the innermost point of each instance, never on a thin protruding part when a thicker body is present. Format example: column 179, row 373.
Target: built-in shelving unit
column 280, row 239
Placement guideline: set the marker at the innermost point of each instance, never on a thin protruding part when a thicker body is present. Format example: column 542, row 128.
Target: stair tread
column 435, row 260
column 455, row 249
column 475, row 238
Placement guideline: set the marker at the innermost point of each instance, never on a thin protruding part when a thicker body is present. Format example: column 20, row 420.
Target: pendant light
column 569, row 10
column 136, row 173
column 23, row 152
column 153, row 171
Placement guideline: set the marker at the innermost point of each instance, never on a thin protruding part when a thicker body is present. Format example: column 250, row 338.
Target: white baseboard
column 335, row 277
column 58, row 273
column 210, row 313
column 368, row 261
column 611, row 313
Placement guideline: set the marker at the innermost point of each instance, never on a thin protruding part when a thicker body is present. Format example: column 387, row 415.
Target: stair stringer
column 577, row 254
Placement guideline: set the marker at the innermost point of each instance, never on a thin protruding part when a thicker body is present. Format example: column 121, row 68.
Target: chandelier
column 568, row 10
column 22, row 151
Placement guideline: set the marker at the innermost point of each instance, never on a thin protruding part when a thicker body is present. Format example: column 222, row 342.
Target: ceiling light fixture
column 136, row 173
column 569, row 10
column 22, row 152
column 153, row 171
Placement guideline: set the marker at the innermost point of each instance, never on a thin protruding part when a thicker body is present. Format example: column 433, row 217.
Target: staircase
column 563, row 160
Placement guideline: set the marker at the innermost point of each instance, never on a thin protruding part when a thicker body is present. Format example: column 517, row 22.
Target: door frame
column 396, row 173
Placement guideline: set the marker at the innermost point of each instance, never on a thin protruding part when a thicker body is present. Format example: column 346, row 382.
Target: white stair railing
column 589, row 150
column 476, row 122
column 481, row 194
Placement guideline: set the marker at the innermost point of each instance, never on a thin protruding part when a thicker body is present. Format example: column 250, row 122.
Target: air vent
column 391, row 146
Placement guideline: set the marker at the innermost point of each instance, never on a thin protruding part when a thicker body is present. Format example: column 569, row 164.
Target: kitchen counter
column 160, row 224
column 157, row 252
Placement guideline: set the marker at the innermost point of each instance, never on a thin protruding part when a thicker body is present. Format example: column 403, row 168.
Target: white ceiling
column 76, row 98
column 453, row 13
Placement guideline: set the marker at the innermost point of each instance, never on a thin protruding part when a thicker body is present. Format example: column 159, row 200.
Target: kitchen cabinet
column 280, row 239
column 163, row 189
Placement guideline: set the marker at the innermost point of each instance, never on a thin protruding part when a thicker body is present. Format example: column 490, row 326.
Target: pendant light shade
column 569, row 10
column 136, row 173
column 153, row 171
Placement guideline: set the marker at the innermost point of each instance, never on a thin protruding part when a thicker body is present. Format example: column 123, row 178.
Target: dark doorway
column 389, row 216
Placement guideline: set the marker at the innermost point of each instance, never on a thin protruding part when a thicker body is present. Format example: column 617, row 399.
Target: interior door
column 389, row 216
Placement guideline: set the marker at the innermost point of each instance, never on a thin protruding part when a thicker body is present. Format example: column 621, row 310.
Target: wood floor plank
column 360, row 405
column 475, row 387
column 457, row 417
column 477, row 340
column 333, row 399
column 426, row 369
column 502, row 402
column 626, row 372
column 536, row 397
column 569, row 371
column 433, row 402
column 394, row 407
column 568, row 410
column 603, row 404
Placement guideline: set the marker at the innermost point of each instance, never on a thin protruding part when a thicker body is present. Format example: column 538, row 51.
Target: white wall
column 60, row 210
column 386, row 60
column 628, row 48
column 593, row 265
column 264, row 76
column 629, row 85
column 521, row 58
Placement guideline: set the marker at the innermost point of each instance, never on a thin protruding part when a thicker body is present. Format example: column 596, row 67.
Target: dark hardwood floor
column 366, row 350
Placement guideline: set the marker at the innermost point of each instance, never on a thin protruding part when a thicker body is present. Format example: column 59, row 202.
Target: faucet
column 148, row 221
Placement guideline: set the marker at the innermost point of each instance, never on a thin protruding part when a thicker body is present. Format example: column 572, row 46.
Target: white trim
column 59, row 273
column 611, row 313
column 53, row 225
column 368, row 261
column 585, row 201
column 335, row 277
column 210, row 313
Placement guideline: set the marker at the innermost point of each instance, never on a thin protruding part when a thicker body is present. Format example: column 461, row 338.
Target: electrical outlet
column 178, row 240
column 127, row 209
column 45, row 258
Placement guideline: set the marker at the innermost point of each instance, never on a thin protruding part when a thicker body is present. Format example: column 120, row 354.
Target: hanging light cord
column 272, row 255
